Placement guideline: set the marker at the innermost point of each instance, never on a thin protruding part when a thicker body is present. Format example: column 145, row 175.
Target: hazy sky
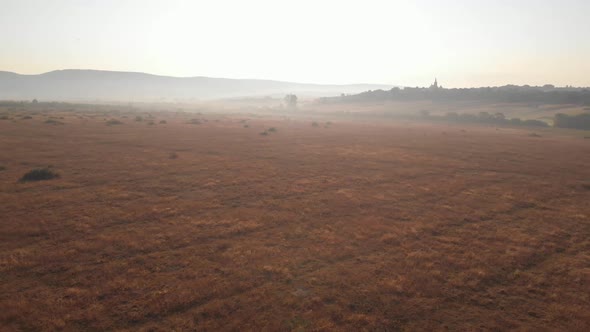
column 463, row 43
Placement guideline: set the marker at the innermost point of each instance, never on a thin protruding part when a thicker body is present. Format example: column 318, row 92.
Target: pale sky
column 464, row 42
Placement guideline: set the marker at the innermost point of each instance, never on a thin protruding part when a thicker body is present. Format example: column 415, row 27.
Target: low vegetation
column 39, row 174
column 177, row 229
column 53, row 122
column 113, row 122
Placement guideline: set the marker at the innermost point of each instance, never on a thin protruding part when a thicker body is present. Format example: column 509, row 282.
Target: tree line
column 547, row 94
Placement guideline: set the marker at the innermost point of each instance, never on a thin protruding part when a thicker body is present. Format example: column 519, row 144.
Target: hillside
column 74, row 84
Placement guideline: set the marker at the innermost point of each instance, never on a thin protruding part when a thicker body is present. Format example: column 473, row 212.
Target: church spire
column 435, row 84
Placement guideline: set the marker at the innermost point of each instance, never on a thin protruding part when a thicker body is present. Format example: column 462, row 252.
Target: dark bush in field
column 53, row 122
column 272, row 130
column 39, row 174
column 163, row 122
column 114, row 122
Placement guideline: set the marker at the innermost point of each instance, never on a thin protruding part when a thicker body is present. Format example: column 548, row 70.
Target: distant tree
column 500, row 117
column 291, row 101
column 35, row 101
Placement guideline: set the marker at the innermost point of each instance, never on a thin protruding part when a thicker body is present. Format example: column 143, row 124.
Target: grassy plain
column 202, row 223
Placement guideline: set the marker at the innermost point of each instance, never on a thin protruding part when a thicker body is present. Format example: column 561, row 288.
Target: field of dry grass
column 202, row 223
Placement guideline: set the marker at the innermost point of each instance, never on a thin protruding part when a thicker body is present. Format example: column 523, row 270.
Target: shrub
column 534, row 135
column 163, row 122
column 114, row 122
column 272, row 130
column 27, row 117
column 53, row 122
column 173, row 155
column 315, row 124
column 4, row 117
column 195, row 121
column 39, row 174
column 246, row 126
column 264, row 133
column 2, row 168
column 138, row 118
column 151, row 123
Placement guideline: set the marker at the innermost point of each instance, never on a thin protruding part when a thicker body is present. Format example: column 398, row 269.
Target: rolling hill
column 75, row 84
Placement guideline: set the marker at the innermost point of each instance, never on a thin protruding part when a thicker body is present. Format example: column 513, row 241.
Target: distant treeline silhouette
column 580, row 121
column 547, row 94
column 484, row 117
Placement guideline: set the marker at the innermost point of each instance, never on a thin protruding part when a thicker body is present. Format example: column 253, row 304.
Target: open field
column 202, row 223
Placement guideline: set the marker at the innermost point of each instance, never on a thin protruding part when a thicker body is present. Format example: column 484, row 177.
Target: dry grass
column 364, row 226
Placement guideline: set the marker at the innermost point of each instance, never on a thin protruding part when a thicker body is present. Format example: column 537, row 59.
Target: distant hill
column 74, row 84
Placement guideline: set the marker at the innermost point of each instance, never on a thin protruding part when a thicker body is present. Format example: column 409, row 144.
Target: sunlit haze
column 463, row 43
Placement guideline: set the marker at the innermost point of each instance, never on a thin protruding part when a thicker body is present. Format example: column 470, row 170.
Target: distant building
column 435, row 85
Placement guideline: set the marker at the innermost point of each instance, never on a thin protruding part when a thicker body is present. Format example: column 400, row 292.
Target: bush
column 53, row 122
column 2, row 168
column 39, row 174
column 272, row 130
column 27, row 117
column 114, row 122
column 173, row 155
column 151, row 123
column 195, row 121
column 264, row 133
column 163, row 122
column 138, row 118
column 315, row 124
